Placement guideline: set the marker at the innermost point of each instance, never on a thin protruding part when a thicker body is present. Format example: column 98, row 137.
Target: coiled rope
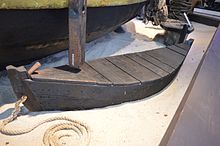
column 50, row 138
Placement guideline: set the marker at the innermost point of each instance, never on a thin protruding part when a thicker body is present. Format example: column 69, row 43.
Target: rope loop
column 78, row 129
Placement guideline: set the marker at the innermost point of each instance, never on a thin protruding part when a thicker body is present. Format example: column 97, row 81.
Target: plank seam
column 160, row 60
column 98, row 72
column 185, row 49
column 113, row 72
column 176, row 51
column 123, row 70
column 142, row 65
column 154, row 64
column 120, row 69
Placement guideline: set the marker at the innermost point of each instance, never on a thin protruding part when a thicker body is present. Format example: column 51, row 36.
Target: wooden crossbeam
column 77, row 32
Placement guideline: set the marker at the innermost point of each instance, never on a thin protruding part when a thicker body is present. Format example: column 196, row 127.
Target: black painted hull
column 26, row 35
column 99, row 83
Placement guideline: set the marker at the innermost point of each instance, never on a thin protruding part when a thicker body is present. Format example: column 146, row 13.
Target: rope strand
column 50, row 138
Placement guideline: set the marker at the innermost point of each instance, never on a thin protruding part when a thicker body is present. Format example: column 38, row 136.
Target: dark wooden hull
column 99, row 83
column 26, row 35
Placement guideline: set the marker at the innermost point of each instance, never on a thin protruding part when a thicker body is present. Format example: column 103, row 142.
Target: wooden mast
column 77, row 32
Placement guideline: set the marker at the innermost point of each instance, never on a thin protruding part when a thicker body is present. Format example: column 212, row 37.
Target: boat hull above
column 26, row 35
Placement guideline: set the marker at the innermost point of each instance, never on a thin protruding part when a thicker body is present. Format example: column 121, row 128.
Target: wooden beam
column 77, row 32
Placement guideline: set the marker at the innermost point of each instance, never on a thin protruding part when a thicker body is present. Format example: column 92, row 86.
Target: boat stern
column 17, row 76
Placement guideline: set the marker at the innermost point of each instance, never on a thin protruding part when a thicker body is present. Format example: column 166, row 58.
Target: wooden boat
column 97, row 83
column 33, row 29
column 101, row 82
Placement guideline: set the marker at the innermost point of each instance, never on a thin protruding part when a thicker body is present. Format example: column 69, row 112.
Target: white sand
column 140, row 123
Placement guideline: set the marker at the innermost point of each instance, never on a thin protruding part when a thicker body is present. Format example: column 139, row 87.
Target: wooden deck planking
column 133, row 68
column 87, row 75
column 167, row 56
column 156, row 62
column 148, row 64
column 121, row 70
column 178, row 50
column 112, row 72
column 183, row 46
column 86, row 69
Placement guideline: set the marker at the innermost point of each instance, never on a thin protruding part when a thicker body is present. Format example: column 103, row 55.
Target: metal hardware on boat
column 187, row 19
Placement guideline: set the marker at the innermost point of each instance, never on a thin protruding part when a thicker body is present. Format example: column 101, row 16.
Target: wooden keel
column 99, row 83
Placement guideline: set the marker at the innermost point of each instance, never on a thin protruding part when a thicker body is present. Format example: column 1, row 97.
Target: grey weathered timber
column 178, row 50
column 167, row 56
column 77, row 31
column 182, row 46
column 66, row 73
column 99, row 83
column 147, row 64
column 136, row 70
column 112, row 72
column 156, row 62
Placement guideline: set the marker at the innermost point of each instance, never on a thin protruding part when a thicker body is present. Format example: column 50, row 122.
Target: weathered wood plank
column 77, row 31
column 124, row 69
column 156, row 62
column 112, row 72
column 70, row 74
column 167, row 56
column 148, row 64
column 178, row 50
column 91, row 73
column 133, row 68
column 183, row 46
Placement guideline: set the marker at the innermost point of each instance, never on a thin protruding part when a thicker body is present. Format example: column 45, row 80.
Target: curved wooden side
column 101, row 82
column 79, row 97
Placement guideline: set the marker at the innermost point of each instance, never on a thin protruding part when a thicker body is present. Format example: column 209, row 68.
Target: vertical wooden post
column 77, row 32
